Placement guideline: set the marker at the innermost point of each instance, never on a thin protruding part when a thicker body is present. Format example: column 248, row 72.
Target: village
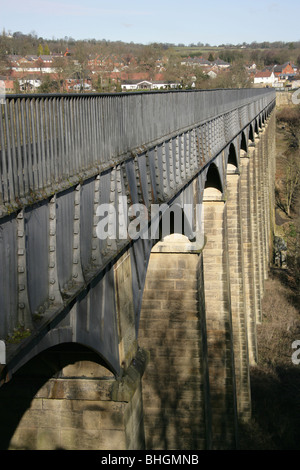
column 66, row 72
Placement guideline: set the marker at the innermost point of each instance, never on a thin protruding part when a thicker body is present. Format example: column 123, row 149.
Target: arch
column 251, row 133
column 173, row 219
column 33, row 382
column 213, row 188
column 67, row 353
column 55, row 338
column 243, row 144
column 232, row 156
column 172, row 228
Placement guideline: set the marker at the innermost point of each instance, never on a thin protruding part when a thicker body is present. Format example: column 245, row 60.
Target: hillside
column 34, row 64
column 275, row 381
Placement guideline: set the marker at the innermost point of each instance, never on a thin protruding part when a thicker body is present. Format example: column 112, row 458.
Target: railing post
column 47, row 139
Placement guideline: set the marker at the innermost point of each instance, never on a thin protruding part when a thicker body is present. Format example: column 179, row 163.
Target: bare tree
column 289, row 117
column 291, row 181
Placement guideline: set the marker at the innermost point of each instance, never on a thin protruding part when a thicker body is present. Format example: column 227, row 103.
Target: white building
column 147, row 85
column 265, row 78
column 29, row 83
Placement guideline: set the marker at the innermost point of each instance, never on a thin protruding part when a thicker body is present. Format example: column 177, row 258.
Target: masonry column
column 219, row 323
column 172, row 328
column 256, row 237
column 237, row 293
column 129, row 352
column 271, row 169
column 247, row 223
column 262, row 215
column 268, row 174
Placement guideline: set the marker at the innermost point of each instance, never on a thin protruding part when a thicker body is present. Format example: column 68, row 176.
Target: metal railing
column 46, row 139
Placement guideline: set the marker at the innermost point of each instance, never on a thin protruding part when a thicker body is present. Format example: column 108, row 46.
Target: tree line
column 145, row 57
column 262, row 52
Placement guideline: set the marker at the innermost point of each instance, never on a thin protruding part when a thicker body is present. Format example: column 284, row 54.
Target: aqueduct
column 132, row 342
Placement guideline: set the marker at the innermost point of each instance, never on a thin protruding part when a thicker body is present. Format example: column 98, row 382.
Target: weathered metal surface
column 56, row 274
column 45, row 140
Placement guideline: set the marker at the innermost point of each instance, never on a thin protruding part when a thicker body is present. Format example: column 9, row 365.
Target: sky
column 168, row 21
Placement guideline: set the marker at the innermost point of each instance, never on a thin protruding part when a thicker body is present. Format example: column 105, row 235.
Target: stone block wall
column 175, row 383
column 219, row 326
column 237, row 295
column 82, row 407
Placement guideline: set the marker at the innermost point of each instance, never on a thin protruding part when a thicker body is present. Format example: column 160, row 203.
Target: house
column 127, row 77
column 30, row 64
column 6, row 85
column 251, row 67
column 29, row 84
column 32, row 58
column 14, row 59
column 56, row 55
column 82, row 86
column 221, row 63
column 147, row 85
column 136, row 85
column 266, row 77
column 212, row 73
column 200, row 62
column 285, row 69
column 160, row 85
column 46, row 59
column 196, row 62
column 294, row 82
column 75, row 84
